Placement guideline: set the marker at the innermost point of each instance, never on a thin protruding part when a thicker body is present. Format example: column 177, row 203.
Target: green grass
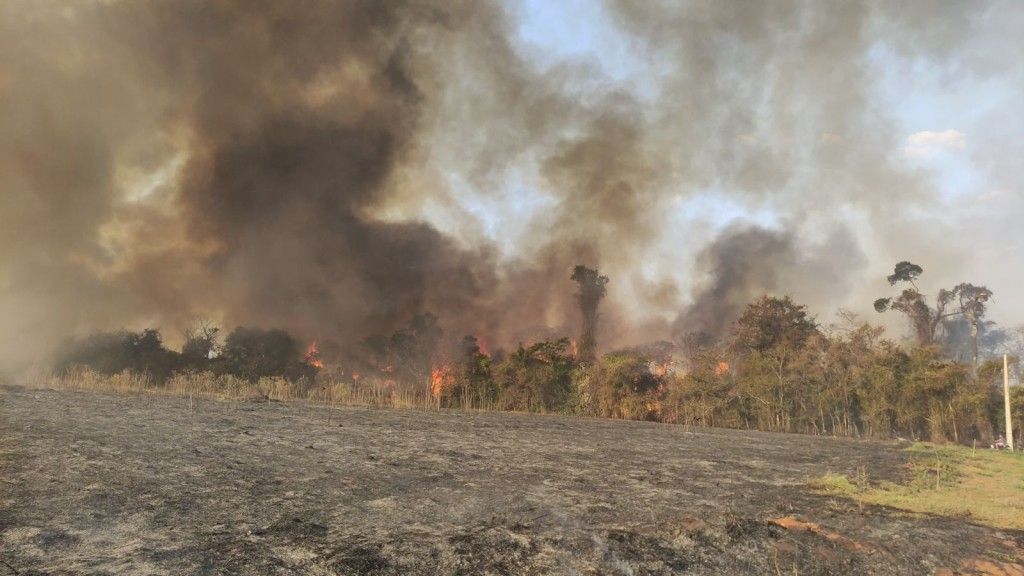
column 984, row 485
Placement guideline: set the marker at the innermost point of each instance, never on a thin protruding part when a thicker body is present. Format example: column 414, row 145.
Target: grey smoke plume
column 291, row 165
column 745, row 262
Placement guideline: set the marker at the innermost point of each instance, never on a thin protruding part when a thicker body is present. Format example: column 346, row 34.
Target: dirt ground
column 94, row 483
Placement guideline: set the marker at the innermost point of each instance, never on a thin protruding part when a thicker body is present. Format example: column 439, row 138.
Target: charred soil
column 95, row 483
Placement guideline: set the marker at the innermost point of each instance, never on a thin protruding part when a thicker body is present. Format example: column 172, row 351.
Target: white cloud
column 928, row 144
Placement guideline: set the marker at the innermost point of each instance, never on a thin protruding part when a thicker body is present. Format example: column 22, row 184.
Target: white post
column 1006, row 403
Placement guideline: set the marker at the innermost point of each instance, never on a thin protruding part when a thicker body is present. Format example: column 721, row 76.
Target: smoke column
column 333, row 168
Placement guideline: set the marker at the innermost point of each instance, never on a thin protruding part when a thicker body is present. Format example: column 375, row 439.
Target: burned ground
column 94, row 483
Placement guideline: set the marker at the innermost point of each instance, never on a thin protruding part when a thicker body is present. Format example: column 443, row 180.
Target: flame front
column 721, row 368
column 441, row 379
column 313, row 355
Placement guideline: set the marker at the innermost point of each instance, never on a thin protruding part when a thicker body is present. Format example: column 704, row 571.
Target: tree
column 706, row 394
column 972, row 305
column 200, row 344
column 253, row 353
column 536, row 377
column 407, row 355
column 770, row 322
column 413, row 348
column 768, row 337
column 475, row 384
column 911, row 302
column 591, row 291
column 114, row 352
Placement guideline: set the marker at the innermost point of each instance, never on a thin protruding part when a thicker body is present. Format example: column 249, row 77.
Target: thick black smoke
column 284, row 125
column 289, row 164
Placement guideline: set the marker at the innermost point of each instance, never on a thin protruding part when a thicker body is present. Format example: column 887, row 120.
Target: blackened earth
column 96, row 483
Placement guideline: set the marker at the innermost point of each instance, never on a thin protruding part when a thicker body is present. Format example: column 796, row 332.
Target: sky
column 943, row 112
column 336, row 170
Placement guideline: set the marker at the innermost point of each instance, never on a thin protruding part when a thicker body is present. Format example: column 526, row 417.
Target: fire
column 313, row 355
column 483, row 346
column 721, row 368
column 662, row 369
column 441, row 379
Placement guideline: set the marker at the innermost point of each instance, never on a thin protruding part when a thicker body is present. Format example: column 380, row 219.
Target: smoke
column 265, row 133
column 745, row 262
column 334, row 168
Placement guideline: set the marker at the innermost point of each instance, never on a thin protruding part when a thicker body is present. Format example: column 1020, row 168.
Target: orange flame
column 721, row 368
column 441, row 379
column 313, row 355
column 661, row 369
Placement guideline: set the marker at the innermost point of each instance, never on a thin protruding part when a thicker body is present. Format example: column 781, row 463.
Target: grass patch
column 984, row 485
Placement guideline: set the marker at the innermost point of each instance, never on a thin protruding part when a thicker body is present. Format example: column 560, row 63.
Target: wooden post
column 1006, row 402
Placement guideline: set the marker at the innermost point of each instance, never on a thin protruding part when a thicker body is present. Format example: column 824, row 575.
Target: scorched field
column 96, row 483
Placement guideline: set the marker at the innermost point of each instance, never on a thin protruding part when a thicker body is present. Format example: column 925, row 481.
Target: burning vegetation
column 311, row 179
column 776, row 368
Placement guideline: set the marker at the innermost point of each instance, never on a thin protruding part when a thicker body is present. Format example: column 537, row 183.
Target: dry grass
column 227, row 387
column 984, row 485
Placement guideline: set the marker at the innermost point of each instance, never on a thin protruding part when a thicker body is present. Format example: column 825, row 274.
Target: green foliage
column 706, row 395
column 969, row 301
column 836, row 484
column 947, row 480
column 777, row 371
column 904, row 272
column 537, row 377
column 622, row 385
column 474, row 385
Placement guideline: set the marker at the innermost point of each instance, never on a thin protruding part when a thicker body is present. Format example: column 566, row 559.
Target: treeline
column 776, row 369
column 246, row 353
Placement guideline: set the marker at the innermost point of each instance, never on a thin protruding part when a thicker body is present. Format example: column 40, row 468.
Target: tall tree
column 592, row 291
column 973, row 300
column 768, row 339
column 912, row 302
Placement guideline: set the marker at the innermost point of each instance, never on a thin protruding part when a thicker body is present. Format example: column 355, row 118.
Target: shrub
column 112, row 353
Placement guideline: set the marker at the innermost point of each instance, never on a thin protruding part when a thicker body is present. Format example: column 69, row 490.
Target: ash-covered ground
column 94, row 483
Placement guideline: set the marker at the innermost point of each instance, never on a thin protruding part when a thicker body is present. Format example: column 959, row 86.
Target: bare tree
column 200, row 342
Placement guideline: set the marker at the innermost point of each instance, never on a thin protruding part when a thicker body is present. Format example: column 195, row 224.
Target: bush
column 252, row 354
column 538, row 377
column 623, row 386
column 112, row 353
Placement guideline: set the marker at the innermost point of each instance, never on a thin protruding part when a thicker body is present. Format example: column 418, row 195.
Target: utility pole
column 1006, row 402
